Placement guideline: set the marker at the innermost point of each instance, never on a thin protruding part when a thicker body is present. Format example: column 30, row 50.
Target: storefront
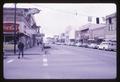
column 8, row 29
column 25, row 29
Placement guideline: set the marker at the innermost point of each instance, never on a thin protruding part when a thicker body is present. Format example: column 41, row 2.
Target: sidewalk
column 36, row 50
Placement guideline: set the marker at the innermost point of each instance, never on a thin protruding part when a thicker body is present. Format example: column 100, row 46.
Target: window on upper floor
column 110, row 20
column 110, row 24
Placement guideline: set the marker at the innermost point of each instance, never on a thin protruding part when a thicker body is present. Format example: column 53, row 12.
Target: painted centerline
column 45, row 60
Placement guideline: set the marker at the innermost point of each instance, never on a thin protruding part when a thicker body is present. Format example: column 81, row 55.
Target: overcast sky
column 56, row 18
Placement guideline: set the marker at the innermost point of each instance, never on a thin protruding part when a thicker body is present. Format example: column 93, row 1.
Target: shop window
column 10, row 39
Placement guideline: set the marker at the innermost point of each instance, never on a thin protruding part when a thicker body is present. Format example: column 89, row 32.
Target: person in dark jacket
column 21, row 49
column 38, row 43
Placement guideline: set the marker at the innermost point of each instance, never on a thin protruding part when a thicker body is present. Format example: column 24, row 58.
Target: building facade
column 98, row 32
column 62, row 37
column 25, row 26
column 110, row 31
column 77, row 35
column 56, row 38
column 84, row 35
column 92, row 32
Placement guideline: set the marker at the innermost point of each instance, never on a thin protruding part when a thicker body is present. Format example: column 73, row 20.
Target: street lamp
column 15, row 30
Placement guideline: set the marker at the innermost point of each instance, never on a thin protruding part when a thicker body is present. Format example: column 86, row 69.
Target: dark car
column 47, row 45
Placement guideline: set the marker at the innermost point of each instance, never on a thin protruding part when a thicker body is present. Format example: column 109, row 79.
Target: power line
column 76, row 13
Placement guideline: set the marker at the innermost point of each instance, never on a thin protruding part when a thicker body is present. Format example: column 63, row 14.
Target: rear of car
column 112, row 46
column 47, row 45
column 107, row 46
column 103, row 46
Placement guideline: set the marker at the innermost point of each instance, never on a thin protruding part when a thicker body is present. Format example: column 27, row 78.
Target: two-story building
column 98, row 32
column 110, row 31
column 92, row 32
column 25, row 28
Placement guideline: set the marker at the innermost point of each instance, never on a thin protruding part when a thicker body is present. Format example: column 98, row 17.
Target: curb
column 12, row 54
column 24, row 54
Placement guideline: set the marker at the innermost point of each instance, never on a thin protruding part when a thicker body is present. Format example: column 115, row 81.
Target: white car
column 107, row 46
column 93, row 45
column 78, row 44
column 72, row 44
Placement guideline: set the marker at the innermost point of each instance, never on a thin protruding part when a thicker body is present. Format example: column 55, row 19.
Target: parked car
column 78, row 44
column 107, row 46
column 71, row 43
column 84, row 45
column 47, row 44
column 93, row 45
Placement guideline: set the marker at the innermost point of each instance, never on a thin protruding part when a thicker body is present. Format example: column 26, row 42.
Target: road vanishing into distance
column 63, row 62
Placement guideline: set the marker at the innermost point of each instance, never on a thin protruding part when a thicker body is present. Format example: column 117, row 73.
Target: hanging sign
column 9, row 27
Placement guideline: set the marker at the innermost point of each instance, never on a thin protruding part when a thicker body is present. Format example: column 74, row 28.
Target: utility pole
column 76, row 14
column 15, row 30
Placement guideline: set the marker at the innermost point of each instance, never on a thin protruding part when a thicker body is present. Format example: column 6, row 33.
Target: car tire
column 104, row 48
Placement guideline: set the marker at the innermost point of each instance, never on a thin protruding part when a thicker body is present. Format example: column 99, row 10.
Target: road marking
column 45, row 61
column 45, row 64
column 10, row 61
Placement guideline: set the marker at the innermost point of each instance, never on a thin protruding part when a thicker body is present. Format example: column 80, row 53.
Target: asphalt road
column 63, row 62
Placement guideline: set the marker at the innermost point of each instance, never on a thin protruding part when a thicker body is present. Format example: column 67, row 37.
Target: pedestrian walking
column 21, row 49
column 38, row 43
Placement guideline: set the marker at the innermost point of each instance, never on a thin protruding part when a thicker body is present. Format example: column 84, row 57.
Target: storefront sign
column 9, row 27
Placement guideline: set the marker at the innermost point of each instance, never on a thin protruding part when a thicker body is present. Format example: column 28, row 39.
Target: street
column 63, row 62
